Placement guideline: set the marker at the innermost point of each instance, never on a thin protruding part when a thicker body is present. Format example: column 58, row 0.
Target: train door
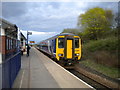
column 69, row 48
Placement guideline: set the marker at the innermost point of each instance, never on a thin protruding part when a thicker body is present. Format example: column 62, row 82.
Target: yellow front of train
column 68, row 48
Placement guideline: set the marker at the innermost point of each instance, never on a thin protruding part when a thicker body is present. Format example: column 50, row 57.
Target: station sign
column 29, row 33
column 32, row 41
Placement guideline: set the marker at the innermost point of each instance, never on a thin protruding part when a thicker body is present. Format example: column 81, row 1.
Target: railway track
column 85, row 78
column 104, row 81
column 90, row 81
column 97, row 84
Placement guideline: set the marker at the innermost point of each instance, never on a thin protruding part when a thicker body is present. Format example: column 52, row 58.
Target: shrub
column 105, row 58
column 103, row 51
column 108, row 44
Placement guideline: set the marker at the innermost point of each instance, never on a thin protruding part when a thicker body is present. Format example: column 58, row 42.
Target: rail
column 102, row 79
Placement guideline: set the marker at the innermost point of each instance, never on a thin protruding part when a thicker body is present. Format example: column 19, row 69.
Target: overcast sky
column 46, row 19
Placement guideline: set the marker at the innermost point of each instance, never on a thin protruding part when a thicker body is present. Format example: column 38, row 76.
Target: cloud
column 46, row 16
column 42, row 33
column 15, row 9
column 43, row 17
column 39, row 36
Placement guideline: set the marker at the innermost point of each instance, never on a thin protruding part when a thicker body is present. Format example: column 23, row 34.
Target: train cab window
column 76, row 42
column 60, row 42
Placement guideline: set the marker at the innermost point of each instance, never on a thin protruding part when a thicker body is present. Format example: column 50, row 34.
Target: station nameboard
column 32, row 41
column 29, row 33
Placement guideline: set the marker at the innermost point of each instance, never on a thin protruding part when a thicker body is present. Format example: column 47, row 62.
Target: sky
column 47, row 19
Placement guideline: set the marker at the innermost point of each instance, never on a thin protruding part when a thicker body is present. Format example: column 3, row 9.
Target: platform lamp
column 28, row 33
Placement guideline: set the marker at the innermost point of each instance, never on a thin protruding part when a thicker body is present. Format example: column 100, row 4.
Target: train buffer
column 39, row 71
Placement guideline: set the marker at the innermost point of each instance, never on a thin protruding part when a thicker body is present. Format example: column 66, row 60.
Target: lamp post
column 27, row 37
column 28, row 33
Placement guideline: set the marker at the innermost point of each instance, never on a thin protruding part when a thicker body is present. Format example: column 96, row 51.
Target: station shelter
column 10, row 57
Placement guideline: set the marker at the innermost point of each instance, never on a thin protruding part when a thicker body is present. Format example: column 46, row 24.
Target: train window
column 76, row 42
column 61, row 42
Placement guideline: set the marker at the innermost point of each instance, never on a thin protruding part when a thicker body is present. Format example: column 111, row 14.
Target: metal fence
column 10, row 69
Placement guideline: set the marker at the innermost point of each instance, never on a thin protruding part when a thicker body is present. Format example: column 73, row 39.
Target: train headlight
column 60, row 54
column 77, row 54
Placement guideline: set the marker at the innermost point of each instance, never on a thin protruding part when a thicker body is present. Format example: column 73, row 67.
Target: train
column 64, row 48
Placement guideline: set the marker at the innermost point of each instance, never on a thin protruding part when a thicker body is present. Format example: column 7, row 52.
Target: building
column 23, row 41
column 10, row 57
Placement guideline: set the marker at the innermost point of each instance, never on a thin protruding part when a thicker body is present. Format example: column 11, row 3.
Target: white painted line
column 73, row 75
column 22, row 79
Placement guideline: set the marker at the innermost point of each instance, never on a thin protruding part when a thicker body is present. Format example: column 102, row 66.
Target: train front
column 68, row 49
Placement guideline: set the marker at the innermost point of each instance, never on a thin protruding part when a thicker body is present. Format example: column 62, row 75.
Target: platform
column 39, row 71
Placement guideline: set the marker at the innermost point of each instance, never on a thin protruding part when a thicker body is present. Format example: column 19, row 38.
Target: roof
column 66, row 34
column 22, row 36
column 7, row 25
column 63, row 34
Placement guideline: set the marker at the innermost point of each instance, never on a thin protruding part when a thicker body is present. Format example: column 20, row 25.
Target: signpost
column 28, row 33
column 32, row 41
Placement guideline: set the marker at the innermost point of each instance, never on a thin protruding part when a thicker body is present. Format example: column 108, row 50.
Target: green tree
column 95, row 22
column 71, row 30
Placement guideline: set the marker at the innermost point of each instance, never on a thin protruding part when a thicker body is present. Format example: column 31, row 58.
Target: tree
column 95, row 22
column 71, row 30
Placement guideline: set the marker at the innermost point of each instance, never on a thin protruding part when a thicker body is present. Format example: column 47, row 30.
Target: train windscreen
column 60, row 42
column 76, row 42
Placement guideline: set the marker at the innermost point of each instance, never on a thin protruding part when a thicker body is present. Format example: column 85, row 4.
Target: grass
column 108, row 71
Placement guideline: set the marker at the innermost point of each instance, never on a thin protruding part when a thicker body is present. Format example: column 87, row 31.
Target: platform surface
column 39, row 71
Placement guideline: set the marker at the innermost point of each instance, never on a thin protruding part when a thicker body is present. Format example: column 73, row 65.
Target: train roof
column 62, row 34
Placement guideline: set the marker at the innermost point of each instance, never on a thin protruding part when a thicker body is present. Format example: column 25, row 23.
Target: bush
column 104, row 51
column 105, row 58
column 108, row 44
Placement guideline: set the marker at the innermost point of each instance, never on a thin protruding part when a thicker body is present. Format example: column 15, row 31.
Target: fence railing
column 10, row 69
